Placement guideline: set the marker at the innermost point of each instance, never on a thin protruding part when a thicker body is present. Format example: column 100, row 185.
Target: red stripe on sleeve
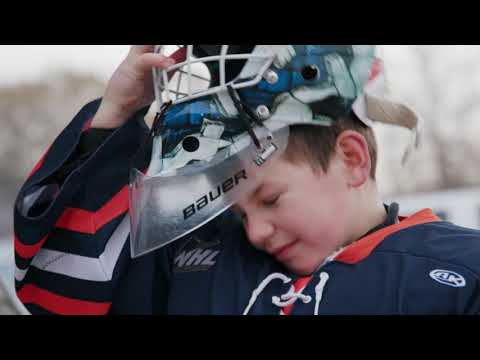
column 61, row 305
column 77, row 220
column 81, row 221
column 88, row 222
column 28, row 251
column 115, row 207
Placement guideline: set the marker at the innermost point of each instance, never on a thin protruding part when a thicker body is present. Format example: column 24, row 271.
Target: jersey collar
column 362, row 248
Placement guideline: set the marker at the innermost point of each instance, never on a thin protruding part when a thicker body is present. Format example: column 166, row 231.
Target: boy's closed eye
column 266, row 195
column 270, row 200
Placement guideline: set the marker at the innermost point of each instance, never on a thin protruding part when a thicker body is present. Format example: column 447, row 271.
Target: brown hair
column 316, row 144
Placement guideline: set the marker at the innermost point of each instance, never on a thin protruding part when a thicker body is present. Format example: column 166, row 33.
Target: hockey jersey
column 72, row 253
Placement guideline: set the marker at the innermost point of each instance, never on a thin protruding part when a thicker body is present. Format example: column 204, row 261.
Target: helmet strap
column 246, row 115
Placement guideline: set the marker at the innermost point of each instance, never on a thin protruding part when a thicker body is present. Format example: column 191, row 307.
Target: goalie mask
column 225, row 110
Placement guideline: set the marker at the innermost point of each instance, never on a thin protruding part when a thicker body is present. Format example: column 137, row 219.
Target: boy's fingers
column 149, row 60
column 142, row 49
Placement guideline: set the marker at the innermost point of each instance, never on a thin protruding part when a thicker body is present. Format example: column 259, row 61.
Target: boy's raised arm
column 71, row 215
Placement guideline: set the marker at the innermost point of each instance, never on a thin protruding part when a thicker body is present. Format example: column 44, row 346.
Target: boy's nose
column 259, row 231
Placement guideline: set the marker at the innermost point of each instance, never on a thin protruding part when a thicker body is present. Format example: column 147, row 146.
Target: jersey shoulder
column 438, row 241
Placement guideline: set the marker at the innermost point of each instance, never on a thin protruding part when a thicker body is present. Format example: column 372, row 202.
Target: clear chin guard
column 172, row 204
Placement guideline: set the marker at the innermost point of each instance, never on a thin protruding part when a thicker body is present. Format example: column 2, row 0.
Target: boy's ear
column 352, row 148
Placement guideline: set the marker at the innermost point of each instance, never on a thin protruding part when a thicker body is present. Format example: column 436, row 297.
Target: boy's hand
column 130, row 87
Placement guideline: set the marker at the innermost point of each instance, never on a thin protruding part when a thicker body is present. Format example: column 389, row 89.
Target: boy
column 368, row 260
column 308, row 208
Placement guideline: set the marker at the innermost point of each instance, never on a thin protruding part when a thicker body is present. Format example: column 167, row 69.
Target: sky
column 24, row 63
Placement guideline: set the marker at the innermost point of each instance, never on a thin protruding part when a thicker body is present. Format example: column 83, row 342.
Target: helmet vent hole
column 190, row 144
column 310, row 72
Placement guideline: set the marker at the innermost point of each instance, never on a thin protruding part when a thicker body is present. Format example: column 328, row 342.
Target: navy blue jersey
column 72, row 253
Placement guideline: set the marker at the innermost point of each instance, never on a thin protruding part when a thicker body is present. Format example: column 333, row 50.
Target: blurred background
column 43, row 86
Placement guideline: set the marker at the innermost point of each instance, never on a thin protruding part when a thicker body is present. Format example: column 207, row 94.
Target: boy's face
column 297, row 214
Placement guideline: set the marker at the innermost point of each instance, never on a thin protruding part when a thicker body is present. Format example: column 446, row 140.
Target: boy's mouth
column 283, row 252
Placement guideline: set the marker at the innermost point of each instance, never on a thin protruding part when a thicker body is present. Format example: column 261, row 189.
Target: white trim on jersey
column 82, row 267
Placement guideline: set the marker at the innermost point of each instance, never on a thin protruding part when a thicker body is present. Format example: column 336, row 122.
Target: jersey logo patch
column 196, row 255
column 448, row 277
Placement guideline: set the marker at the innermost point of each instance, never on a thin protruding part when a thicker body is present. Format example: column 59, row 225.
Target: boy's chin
column 301, row 269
